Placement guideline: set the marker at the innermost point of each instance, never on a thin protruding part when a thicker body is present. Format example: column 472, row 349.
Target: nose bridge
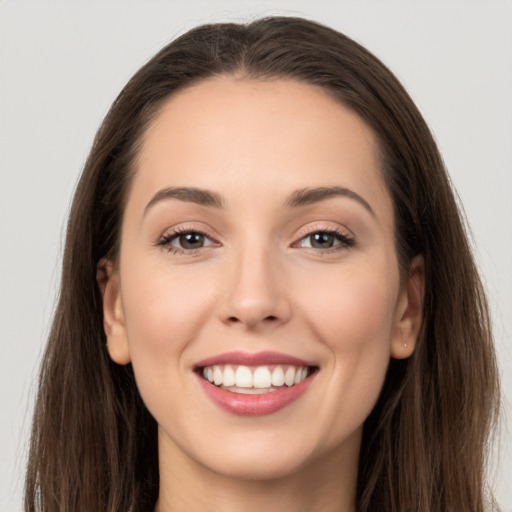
column 256, row 292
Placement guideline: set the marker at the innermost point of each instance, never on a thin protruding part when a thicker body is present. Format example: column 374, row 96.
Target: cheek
column 354, row 308
column 354, row 318
column 163, row 312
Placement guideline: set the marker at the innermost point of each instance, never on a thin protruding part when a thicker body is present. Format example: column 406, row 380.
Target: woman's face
column 257, row 251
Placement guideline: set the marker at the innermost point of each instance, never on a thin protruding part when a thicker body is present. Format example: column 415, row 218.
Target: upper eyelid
column 181, row 229
column 302, row 232
column 325, row 228
column 167, row 237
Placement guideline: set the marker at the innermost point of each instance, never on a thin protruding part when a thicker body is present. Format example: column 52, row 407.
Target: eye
column 185, row 241
column 325, row 240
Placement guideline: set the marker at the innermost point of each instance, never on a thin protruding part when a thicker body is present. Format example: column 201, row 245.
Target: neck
column 326, row 484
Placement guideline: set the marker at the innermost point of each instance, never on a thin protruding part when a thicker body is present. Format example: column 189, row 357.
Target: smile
column 254, row 384
column 255, row 380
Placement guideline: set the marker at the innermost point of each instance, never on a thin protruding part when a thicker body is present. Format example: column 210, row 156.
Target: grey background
column 62, row 64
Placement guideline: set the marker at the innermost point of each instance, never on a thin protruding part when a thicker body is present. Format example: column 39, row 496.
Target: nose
column 255, row 293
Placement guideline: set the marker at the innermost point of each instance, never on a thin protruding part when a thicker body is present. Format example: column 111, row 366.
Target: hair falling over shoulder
column 424, row 448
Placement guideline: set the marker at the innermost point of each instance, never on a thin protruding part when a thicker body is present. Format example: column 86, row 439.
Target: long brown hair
column 94, row 446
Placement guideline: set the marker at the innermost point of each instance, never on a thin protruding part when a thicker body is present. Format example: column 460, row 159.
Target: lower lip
column 254, row 405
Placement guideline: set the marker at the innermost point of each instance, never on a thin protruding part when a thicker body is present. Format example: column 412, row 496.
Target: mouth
column 254, row 384
column 251, row 380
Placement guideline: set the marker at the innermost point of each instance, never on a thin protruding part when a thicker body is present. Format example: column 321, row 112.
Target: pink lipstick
column 254, row 384
column 254, row 359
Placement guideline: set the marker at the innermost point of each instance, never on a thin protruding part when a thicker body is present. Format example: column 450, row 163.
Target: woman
column 268, row 298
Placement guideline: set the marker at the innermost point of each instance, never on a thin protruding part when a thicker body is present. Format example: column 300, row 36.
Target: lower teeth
column 249, row 391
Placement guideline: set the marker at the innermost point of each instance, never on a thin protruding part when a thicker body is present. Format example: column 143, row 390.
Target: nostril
column 269, row 318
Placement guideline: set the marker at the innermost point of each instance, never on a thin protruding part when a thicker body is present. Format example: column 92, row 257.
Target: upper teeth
column 260, row 377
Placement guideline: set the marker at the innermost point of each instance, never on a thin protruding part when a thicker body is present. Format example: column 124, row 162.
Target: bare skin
column 325, row 486
column 272, row 267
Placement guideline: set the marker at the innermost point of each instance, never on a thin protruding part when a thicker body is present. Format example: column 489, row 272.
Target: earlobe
column 410, row 312
column 113, row 316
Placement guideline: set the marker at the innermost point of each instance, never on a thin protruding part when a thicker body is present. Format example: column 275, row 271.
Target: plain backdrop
column 61, row 65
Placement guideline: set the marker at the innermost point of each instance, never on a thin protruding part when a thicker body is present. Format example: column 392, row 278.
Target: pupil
column 191, row 241
column 322, row 240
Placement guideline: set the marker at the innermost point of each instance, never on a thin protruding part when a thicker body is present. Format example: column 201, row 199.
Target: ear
column 409, row 311
column 113, row 315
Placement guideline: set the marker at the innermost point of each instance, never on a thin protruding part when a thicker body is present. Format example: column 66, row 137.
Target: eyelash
column 166, row 240
column 346, row 241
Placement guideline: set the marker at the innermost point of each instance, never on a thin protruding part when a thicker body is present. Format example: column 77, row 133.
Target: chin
column 260, row 465
column 265, row 456
column 257, row 455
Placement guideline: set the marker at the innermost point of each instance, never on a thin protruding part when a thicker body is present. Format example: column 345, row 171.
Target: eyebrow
column 188, row 194
column 307, row 196
column 298, row 198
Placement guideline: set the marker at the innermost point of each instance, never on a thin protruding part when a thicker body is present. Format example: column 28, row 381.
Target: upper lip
column 253, row 359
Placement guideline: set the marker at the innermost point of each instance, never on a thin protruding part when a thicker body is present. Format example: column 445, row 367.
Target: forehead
column 266, row 136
